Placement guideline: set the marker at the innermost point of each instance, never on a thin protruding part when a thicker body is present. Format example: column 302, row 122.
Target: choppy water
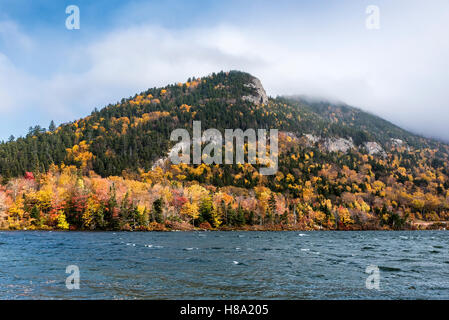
column 224, row 265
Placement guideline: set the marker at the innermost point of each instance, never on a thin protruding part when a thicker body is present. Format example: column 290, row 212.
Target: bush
column 205, row 225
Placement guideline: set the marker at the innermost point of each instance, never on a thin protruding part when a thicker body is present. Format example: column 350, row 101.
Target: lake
column 225, row 265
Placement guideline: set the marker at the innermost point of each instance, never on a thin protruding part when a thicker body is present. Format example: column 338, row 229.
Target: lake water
column 225, row 265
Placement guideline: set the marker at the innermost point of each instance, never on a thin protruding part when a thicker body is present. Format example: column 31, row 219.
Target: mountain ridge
column 339, row 167
column 324, row 119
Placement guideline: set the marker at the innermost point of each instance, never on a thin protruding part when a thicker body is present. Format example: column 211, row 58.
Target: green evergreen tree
column 157, row 210
column 52, row 126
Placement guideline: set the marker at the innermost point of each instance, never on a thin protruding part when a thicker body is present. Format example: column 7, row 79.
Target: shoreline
column 427, row 226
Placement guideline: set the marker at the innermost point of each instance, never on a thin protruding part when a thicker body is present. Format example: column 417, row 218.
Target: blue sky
column 319, row 48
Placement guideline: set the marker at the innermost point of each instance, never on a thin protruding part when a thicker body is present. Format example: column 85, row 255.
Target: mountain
column 335, row 160
column 134, row 133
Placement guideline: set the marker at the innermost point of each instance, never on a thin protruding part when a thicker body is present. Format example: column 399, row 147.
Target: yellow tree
column 190, row 210
column 62, row 222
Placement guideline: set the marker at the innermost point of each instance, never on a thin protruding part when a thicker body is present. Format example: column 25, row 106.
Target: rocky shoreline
column 161, row 227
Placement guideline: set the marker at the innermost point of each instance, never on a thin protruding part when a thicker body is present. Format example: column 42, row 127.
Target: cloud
column 13, row 37
column 399, row 72
column 120, row 64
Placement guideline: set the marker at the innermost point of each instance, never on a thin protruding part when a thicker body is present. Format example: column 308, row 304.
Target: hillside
column 339, row 167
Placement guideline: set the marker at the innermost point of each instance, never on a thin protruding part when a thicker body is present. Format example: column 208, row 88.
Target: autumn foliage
column 107, row 171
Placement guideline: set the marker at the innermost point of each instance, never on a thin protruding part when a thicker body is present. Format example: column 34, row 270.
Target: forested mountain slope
column 134, row 133
column 339, row 167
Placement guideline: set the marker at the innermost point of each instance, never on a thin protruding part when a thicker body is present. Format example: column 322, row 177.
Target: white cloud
column 399, row 72
column 13, row 37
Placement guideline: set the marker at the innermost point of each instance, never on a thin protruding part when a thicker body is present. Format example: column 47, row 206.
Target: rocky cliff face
column 260, row 97
column 397, row 142
column 335, row 144
column 374, row 148
column 338, row 144
column 331, row 144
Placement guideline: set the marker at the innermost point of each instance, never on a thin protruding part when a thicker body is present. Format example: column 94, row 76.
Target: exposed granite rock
column 344, row 145
column 159, row 163
column 260, row 96
column 397, row 142
column 213, row 138
column 289, row 134
column 172, row 152
column 331, row 144
column 338, row 144
column 312, row 139
column 374, row 148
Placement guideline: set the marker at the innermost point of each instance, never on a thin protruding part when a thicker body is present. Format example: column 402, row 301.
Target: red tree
column 29, row 176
